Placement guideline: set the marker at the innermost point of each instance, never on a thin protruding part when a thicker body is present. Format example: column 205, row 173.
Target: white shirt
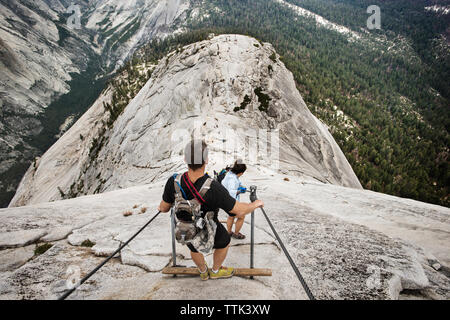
column 232, row 184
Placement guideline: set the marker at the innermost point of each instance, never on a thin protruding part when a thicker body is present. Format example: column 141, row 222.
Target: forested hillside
column 384, row 94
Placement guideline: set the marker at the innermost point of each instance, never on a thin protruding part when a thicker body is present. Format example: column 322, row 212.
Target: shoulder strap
column 205, row 187
column 198, row 194
column 178, row 189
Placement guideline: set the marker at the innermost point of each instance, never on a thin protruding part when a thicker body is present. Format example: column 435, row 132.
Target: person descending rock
column 232, row 183
column 196, row 199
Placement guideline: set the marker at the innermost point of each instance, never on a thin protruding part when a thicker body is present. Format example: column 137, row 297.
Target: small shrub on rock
column 87, row 243
column 42, row 249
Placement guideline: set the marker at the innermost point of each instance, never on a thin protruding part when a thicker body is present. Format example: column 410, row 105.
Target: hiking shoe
column 205, row 275
column 238, row 236
column 222, row 273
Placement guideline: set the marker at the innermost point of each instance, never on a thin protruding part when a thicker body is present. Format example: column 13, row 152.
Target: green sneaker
column 205, row 275
column 222, row 273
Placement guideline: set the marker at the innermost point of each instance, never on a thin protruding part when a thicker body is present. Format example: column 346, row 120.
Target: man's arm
column 229, row 204
column 241, row 209
column 168, row 196
column 164, row 206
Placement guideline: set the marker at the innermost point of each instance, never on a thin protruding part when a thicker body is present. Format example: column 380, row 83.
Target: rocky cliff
column 124, row 26
column 40, row 55
column 230, row 89
column 348, row 244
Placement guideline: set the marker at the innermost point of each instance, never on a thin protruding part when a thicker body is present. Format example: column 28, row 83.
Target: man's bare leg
column 230, row 222
column 239, row 224
column 219, row 257
column 199, row 260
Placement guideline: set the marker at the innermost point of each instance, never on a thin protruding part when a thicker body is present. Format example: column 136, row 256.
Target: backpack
column 200, row 231
column 221, row 175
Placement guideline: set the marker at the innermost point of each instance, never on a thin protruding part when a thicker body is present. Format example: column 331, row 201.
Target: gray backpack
column 199, row 232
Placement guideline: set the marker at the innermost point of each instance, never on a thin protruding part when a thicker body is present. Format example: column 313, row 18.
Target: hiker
column 196, row 199
column 232, row 183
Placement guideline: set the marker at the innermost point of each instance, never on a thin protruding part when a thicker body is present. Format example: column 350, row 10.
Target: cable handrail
column 253, row 198
column 305, row 286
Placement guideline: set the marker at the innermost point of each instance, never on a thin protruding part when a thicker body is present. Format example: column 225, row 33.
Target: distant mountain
column 42, row 57
column 383, row 93
column 38, row 57
column 227, row 85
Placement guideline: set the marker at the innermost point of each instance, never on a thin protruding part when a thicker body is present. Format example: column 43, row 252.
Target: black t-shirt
column 217, row 197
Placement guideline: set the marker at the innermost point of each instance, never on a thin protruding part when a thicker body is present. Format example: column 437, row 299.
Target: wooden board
column 243, row 272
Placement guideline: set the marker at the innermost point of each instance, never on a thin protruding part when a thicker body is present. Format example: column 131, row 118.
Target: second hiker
column 232, row 183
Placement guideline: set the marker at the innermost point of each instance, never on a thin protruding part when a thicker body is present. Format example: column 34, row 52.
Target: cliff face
column 123, row 26
column 40, row 55
column 348, row 243
column 37, row 56
column 228, row 89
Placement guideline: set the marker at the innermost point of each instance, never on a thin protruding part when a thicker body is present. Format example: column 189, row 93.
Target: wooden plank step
column 243, row 272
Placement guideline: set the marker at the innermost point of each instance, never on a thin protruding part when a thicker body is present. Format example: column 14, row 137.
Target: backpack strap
column 192, row 188
column 205, row 187
column 179, row 192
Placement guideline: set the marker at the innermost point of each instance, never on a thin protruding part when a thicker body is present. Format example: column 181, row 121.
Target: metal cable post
column 288, row 256
column 252, row 235
column 174, row 249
